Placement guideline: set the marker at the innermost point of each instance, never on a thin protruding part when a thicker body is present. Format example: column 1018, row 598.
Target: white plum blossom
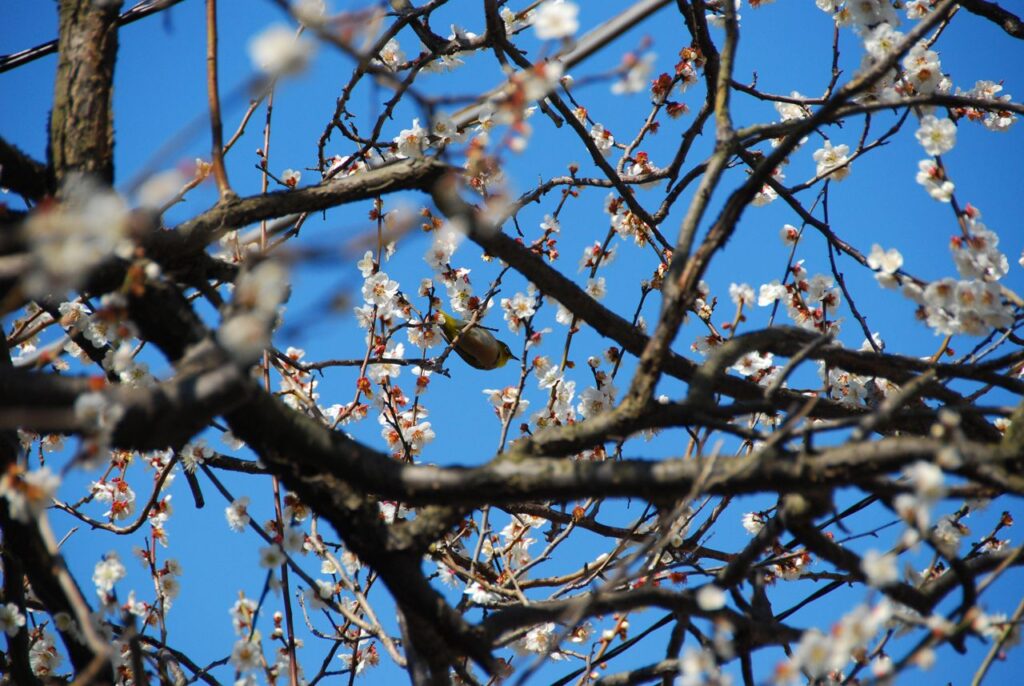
column 753, row 522
column 699, row 667
column 122, row 362
column 752, row 363
column 556, row 19
column 514, row 21
column 390, row 511
column 294, row 539
column 596, row 288
column 977, row 255
column 68, row 239
column 769, row 293
column 767, row 194
column 377, row 372
column 43, row 656
column 922, row 69
column 367, row 265
column 160, row 189
column 882, row 40
column 886, row 263
column 550, row 224
column 278, row 51
column 309, row 12
column 291, row 177
column 818, row 654
column 594, row 401
column 258, row 293
column 535, row 83
column 833, row 161
column 444, row 128
column 926, row 479
column 363, row 658
column 637, row 75
column 418, row 436
column 563, row 315
column 876, row 339
column 478, row 595
column 933, row 178
column 237, row 513
column 320, row 597
column 443, row 247
column 352, row 164
column 423, row 335
column 517, row 309
column 242, row 613
column 603, row 139
column 391, row 55
column 717, row 18
column 507, row 402
column 540, row 640
column 843, row 386
column 271, row 556
column 642, row 167
column 998, row 120
column 458, row 289
column 108, row 572
column 120, row 496
column 986, row 90
column 595, row 256
column 809, row 302
column 379, row 289
column 194, row 454
column 564, row 390
column 820, row 290
column 741, row 294
column 881, row 666
column 263, row 288
column 710, row 598
column 245, row 336
column 516, row 542
column 169, row 588
column 949, row 531
column 971, row 307
column 879, row 568
column 246, row 655
column 11, row 619
column 412, row 142
column 789, row 234
column 919, row 9
column 937, row 136
column 868, row 13
column 791, row 111
column 28, row 494
column 445, row 62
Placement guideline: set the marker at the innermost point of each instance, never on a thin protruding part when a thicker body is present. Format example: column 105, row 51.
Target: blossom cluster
column 974, row 304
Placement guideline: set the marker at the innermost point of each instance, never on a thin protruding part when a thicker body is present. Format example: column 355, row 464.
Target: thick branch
column 82, row 121
column 22, row 174
column 1006, row 20
column 194, row 235
column 30, row 543
column 757, row 634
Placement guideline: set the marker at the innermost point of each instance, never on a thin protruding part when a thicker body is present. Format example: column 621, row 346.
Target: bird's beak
column 513, row 357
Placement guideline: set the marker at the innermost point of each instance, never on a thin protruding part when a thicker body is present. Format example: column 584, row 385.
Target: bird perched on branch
column 477, row 346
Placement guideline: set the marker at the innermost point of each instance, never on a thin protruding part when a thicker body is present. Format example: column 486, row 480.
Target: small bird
column 477, row 346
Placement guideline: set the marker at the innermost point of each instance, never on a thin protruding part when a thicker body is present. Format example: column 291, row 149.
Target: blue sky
column 160, row 87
